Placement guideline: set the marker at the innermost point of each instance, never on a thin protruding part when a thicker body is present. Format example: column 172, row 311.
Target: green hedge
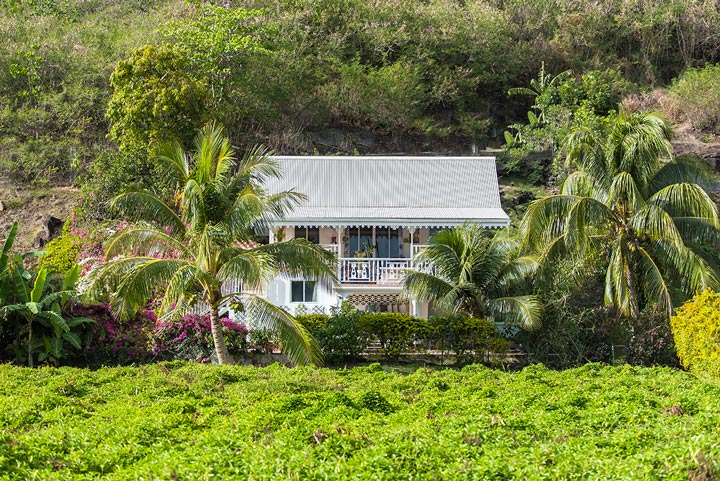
column 346, row 334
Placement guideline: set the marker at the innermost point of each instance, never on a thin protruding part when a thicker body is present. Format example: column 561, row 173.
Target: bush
column 696, row 328
column 651, row 341
column 61, row 253
column 469, row 339
column 113, row 342
column 697, row 96
column 394, row 331
column 190, row 338
column 340, row 336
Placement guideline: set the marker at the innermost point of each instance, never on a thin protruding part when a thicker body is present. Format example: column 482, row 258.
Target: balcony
column 377, row 271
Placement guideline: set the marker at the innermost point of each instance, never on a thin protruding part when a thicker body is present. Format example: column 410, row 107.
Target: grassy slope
column 187, row 421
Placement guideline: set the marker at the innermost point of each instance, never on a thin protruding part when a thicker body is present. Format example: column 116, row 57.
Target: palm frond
column 143, row 205
column 523, row 311
column 653, row 283
column 300, row 258
column 296, row 342
column 617, row 289
column 582, row 184
column 686, row 200
column 173, row 156
column 546, row 220
column 144, row 241
column 624, row 193
column 688, row 169
column 252, row 266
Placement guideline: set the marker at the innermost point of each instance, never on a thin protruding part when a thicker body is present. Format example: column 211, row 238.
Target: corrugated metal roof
column 396, row 191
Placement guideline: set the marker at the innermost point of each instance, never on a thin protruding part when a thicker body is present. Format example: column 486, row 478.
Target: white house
column 375, row 213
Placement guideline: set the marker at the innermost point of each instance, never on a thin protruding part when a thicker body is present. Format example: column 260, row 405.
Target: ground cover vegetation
column 186, row 421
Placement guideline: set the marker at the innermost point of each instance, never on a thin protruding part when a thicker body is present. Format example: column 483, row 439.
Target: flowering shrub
column 696, row 328
column 190, row 338
column 110, row 341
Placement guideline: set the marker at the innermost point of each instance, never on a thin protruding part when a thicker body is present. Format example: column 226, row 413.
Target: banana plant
column 33, row 309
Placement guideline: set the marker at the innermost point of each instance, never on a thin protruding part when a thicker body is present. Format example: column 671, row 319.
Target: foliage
column 630, row 204
column 189, row 421
column 696, row 329
column 61, row 253
column 469, row 339
column 37, row 322
column 650, row 341
column 55, row 65
column 437, row 72
column 472, row 274
column 184, row 253
column 561, row 104
column 696, row 95
column 109, row 341
column 341, row 336
column 395, row 332
column 190, row 338
column 34, row 322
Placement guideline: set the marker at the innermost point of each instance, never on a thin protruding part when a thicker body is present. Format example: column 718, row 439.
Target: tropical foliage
column 424, row 73
column 184, row 253
column 696, row 327
column 471, row 273
column 33, row 320
column 633, row 207
column 187, row 421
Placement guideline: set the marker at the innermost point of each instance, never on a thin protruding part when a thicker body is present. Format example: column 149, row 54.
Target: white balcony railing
column 379, row 271
column 334, row 248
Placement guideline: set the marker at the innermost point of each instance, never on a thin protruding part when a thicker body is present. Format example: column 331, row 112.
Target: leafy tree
column 185, row 252
column 634, row 206
column 476, row 275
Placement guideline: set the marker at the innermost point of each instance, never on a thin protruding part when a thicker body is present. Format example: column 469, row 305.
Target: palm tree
column 473, row 274
column 636, row 207
column 184, row 253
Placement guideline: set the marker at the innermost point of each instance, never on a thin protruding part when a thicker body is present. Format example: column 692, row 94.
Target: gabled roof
column 392, row 191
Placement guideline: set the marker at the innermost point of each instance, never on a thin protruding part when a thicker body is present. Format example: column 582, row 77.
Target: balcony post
column 412, row 244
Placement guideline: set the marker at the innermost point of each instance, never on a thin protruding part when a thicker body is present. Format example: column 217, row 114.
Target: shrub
column 697, row 96
column 696, row 328
column 394, row 331
column 651, row 341
column 190, row 338
column 340, row 336
column 61, row 253
column 113, row 342
column 469, row 339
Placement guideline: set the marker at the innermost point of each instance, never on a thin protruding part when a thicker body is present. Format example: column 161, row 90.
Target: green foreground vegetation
column 189, row 421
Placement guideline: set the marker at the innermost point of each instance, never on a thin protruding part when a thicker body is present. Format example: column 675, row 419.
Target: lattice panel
column 374, row 299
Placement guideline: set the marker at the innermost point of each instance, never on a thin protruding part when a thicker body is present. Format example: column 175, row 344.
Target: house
column 375, row 213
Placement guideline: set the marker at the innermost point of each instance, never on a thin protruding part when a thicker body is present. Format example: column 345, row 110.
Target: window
column 311, row 234
column 303, row 291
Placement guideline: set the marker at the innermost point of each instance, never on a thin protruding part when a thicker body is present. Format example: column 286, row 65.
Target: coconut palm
column 634, row 206
column 475, row 274
column 184, row 253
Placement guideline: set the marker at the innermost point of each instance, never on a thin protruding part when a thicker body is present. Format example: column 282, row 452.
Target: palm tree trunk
column 221, row 350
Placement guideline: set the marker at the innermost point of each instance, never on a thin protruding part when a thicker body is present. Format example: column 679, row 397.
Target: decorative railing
column 379, row 271
column 415, row 248
column 334, row 248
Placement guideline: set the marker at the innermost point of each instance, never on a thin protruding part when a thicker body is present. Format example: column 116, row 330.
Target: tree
column 183, row 253
column 476, row 275
column 635, row 206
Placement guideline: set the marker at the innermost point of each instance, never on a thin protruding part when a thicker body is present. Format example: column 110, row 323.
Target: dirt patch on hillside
column 32, row 208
